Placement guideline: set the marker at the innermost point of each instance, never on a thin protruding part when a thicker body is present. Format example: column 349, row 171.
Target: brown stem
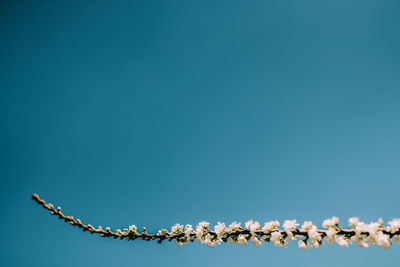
column 129, row 235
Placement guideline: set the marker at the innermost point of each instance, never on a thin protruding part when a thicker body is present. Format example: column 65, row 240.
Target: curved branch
column 361, row 233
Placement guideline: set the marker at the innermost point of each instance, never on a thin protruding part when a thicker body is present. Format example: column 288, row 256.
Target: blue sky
column 158, row 112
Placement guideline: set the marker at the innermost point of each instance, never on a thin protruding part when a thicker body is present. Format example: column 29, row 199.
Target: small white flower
column 276, row 238
column 307, row 226
column 354, row 221
column 397, row 239
column 316, row 244
column 330, row 235
column 394, row 225
column 314, row 235
column 133, row 229
column 383, row 240
column 201, row 229
column 188, row 231
column 203, row 225
column 290, row 236
column 330, row 222
column 242, row 240
column 234, row 227
column 303, row 245
column 177, row 229
column 208, row 241
column 360, row 228
column 256, row 241
column 219, row 229
column 290, row 225
column 360, row 241
column 163, row 232
column 270, row 226
column 373, row 228
column 252, row 226
column 341, row 241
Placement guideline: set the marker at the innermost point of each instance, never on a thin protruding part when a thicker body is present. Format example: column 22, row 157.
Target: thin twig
column 132, row 235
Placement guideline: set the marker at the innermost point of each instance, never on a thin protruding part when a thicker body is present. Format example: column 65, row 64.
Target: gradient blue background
column 158, row 112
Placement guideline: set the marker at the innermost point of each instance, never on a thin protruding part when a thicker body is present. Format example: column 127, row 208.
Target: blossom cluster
column 361, row 233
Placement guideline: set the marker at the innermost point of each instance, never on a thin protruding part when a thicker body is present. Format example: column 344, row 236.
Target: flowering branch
column 361, row 233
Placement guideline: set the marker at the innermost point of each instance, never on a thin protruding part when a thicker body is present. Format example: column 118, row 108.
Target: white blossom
column 360, row 227
column 303, row 245
column 373, row 228
column 364, row 234
column 256, row 241
column 353, row 221
column 361, row 233
column 360, row 241
column 270, row 226
column 316, row 244
column 330, row 222
column 201, row 230
column 290, row 225
column 163, row 232
column 220, row 228
column 394, row 225
column 234, row 227
column 133, row 229
column 208, row 240
column 253, row 226
column 203, row 225
column 341, row 241
column 383, row 240
column 307, row 226
column 330, row 235
column 276, row 238
column 242, row 240
column 314, row 235
column 177, row 229
column 188, row 231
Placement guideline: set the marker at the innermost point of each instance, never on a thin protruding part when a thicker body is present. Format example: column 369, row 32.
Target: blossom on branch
column 361, row 233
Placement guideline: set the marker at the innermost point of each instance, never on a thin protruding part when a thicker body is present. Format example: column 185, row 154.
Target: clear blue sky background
column 158, row 112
